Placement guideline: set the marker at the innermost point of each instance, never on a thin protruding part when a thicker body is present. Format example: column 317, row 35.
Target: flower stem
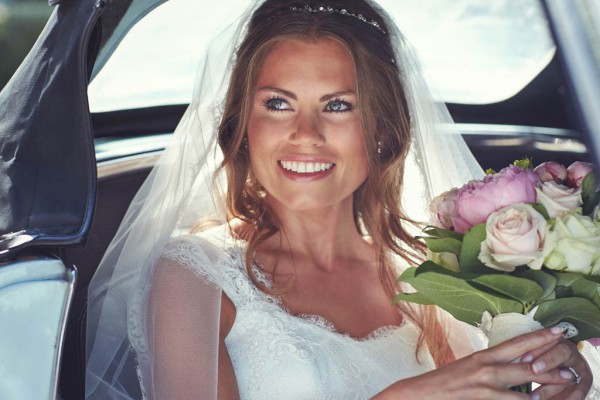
column 524, row 388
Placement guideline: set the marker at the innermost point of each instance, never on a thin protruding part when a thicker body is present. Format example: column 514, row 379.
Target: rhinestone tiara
column 343, row 11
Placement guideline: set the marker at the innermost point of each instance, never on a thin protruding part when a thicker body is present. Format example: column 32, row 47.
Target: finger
column 547, row 391
column 508, row 375
column 558, row 376
column 531, row 355
column 516, row 347
column 559, row 354
column 573, row 392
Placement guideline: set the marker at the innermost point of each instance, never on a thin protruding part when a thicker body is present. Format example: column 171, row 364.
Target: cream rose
column 558, row 198
column 515, row 236
column 573, row 244
column 446, row 260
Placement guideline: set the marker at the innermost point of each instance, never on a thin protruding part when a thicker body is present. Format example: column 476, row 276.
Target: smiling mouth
column 301, row 167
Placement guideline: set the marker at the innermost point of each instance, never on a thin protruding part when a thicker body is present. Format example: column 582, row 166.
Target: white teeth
column 305, row 167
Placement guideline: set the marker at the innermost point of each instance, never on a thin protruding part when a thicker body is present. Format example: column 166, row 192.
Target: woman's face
column 304, row 131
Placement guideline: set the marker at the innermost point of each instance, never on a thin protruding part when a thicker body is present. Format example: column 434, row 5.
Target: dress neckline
column 315, row 320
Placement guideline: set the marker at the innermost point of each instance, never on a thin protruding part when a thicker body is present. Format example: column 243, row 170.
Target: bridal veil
column 182, row 189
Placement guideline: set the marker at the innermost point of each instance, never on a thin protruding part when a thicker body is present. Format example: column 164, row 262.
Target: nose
column 307, row 131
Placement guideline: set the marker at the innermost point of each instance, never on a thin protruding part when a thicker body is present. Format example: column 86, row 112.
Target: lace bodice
column 277, row 355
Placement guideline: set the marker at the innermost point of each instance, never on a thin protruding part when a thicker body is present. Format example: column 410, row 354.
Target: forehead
column 323, row 59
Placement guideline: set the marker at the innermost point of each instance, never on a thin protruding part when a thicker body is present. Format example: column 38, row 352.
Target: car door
column 48, row 187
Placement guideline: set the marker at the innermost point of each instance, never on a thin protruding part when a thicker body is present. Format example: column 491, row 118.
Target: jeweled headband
column 343, row 11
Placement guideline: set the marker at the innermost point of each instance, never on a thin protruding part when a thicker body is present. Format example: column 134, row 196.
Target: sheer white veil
column 181, row 190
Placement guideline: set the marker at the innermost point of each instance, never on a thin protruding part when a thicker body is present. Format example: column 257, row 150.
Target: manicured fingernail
column 566, row 374
column 556, row 330
column 538, row 367
column 527, row 358
column 534, row 396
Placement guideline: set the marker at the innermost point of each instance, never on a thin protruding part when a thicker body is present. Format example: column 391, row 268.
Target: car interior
column 537, row 122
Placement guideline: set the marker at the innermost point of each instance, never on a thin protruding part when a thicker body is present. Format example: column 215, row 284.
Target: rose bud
column 576, row 172
column 551, row 171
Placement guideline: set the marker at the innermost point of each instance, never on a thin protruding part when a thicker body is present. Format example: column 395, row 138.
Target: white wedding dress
column 277, row 355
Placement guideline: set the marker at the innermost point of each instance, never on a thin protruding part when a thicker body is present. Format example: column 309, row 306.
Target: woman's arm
column 188, row 356
column 488, row 374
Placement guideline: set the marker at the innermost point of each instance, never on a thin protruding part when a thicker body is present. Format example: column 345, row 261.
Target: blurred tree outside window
column 21, row 22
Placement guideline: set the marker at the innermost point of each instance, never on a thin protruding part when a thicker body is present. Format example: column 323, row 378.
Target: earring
column 379, row 144
column 245, row 142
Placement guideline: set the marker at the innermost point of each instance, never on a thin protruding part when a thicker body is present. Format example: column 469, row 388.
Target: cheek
column 261, row 144
column 263, row 130
column 354, row 146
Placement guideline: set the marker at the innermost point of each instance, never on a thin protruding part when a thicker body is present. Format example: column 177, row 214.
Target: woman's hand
column 562, row 356
column 490, row 373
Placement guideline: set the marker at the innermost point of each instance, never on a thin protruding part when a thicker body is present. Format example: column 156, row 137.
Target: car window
column 472, row 51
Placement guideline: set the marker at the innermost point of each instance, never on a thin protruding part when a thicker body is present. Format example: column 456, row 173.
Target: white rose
column 515, row 236
column 573, row 244
column 558, row 198
column 596, row 267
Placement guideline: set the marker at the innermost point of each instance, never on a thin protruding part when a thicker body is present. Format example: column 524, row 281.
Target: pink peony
column 551, row 171
column 476, row 200
column 576, row 172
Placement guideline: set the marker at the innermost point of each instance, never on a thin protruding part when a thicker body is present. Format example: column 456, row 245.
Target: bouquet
column 520, row 242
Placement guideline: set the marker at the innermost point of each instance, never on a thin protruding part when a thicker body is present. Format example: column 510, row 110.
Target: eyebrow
column 294, row 97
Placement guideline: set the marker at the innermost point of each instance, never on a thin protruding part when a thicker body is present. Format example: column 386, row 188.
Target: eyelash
column 348, row 106
column 268, row 104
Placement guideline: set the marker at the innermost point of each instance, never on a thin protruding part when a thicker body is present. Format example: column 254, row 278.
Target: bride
column 284, row 291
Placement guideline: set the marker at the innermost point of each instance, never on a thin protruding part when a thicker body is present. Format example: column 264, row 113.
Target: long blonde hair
column 386, row 123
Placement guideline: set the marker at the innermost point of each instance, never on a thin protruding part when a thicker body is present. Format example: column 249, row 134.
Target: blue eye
column 338, row 106
column 276, row 104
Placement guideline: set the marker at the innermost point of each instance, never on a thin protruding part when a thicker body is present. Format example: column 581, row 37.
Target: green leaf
column 542, row 210
column 587, row 289
column 469, row 252
column 588, row 185
column 412, row 298
column 563, row 291
column 545, row 280
column 453, row 293
column 565, row 278
column 593, row 278
column 580, row 312
column 408, row 273
column 443, row 245
column 429, row 266
column 525, row 163
column 434, row 231
column 521, row 289
column 590, row 202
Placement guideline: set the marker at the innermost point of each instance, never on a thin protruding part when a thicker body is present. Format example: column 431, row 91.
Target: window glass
column 471, row 51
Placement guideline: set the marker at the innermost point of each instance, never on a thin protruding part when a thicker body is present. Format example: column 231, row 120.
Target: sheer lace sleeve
column 464, row 339
column 174, row 327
